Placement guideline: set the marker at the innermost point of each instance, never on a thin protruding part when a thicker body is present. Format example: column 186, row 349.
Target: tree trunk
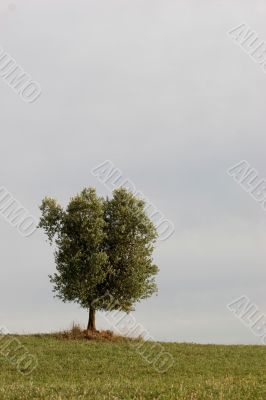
column 92, row 321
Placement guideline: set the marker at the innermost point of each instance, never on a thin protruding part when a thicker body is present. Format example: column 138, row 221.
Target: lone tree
column 102, row 246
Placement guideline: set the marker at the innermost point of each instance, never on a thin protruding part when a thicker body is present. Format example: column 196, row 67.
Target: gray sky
column 159, row 88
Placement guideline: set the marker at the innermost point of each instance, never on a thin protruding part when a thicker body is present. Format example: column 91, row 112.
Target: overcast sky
column 161, row 90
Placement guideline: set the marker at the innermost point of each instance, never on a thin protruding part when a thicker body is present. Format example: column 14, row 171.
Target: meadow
column 72, row 369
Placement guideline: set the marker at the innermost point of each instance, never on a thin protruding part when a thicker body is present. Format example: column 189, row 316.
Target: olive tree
column 102, row 245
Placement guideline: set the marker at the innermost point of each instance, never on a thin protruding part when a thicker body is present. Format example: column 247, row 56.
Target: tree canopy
column 102, row 245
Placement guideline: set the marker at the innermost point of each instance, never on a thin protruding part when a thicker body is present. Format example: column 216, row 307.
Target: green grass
column 87, row 369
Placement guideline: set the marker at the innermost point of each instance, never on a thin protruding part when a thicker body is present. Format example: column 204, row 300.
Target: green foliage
column 130, row 237
column 102, row 246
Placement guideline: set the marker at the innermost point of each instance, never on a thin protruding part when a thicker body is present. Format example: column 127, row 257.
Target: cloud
column 159, row 89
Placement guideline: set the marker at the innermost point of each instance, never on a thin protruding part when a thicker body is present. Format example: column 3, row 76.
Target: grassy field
column 88, row 369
